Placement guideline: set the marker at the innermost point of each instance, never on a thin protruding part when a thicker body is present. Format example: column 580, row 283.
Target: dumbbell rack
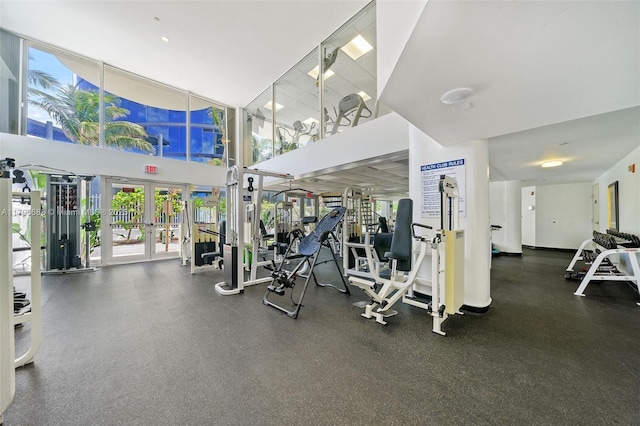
column 602, row 268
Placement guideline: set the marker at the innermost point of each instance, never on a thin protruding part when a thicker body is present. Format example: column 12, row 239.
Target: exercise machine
column 298, row 130
column 8, row 318
column 360, row 216
column 203, row 236
column 283, row 281
column 64, row 225
column 237, row 217
column 385, row 292
column 350, row 110
column 447, row 264
column 447, row 261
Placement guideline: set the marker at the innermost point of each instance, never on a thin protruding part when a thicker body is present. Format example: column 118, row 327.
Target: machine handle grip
column 413, row 230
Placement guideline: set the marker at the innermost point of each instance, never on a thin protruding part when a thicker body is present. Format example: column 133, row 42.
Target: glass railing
column 309, row 103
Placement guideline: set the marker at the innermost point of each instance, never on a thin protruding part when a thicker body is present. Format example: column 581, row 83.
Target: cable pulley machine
column 8, row 318
column 237, row 216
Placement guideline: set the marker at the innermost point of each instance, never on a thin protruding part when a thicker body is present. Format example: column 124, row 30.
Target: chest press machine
column 447, row 264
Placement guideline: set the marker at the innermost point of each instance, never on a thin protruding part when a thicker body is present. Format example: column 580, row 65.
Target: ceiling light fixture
column 314, row 73
column 269, row 106
column 456, row 95
column 553, row 163
column 310, row 121
column 356, row 47
column 165, row 39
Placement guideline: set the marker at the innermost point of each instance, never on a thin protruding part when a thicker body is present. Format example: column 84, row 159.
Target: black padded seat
column 402, row 243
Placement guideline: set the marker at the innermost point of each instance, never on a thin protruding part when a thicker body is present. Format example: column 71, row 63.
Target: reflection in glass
column 351, row 92
column 297, row 121
column 58, row 107
column 208, row 131
column 9, row 74
column 158, row 109
column 259, row 126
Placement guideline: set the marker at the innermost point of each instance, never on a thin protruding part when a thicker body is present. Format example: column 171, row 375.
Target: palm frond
column 42, row 79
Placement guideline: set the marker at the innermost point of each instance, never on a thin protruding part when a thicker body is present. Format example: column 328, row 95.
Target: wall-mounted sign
column 429, row 178
column 150, row 169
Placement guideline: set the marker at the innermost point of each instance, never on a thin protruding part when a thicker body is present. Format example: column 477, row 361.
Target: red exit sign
column 150, row 169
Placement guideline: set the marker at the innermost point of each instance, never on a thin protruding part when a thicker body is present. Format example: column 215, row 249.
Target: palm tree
column 76, row 111
column 217, row 115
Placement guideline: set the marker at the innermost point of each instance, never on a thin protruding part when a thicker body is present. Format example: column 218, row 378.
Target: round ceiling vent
column 456, row 95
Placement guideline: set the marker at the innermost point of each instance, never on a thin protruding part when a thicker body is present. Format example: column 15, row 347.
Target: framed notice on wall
column 429, row 178
column 612, row 206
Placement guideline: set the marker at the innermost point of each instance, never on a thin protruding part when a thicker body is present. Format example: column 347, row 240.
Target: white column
column 424, row 150
column 506, row 211
column 513, row 217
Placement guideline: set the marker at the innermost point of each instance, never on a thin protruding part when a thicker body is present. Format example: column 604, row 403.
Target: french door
column 141, row 220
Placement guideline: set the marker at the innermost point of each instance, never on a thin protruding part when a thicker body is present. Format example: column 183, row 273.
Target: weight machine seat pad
column 391, row 255
column 310, row 244
column 382, row 244
column 384, row 227
column 211, row 254
column 309, row 219
column 402, row 241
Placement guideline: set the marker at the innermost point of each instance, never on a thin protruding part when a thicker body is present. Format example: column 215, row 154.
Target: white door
column 141, row 221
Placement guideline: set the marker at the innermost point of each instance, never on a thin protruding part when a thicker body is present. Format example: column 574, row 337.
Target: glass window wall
column 63, row 103
column 350, row 82
column 144, row 116
column 9, row 73
column 260, row 127
column 208, row 131
column 298, row 104
column 349, row 95
column 60, row 106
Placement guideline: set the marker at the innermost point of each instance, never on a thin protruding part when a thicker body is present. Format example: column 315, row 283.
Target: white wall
column 395, row 23
column 563, row 216
column 529, row 216
column 87, row 160
column 628, row 193
column 424, row 150
column 497, row 212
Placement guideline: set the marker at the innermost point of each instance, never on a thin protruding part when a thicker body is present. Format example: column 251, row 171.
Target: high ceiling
column 229, row 51
column 554, row 79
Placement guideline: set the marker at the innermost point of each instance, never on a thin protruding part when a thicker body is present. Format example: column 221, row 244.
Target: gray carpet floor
column 150, row 344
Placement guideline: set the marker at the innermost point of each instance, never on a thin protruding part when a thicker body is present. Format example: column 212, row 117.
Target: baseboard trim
column 476, row 309
column 567, row 250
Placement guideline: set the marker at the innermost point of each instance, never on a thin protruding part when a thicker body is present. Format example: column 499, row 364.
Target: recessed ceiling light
column 364, row 96
column 554, row 163
column 456, row 95
column 269, row 106
column 165, row 39
column 314, row 73
column 356, row 47
column 310, row 121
